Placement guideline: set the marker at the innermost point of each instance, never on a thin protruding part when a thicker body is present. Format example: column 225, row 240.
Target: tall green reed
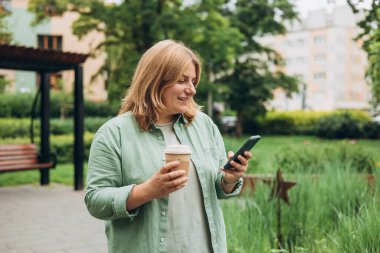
column 313, row 222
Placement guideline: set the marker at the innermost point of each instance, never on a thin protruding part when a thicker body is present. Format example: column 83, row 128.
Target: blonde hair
column 160, row 67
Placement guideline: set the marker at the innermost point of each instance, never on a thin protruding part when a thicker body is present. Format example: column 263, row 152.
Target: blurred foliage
column 223, row 36
column 19, row 105
column 318, row 160
column 333, row 125
column 131, row 27
column 346, row 124
column 16, row 128
column 5, row 34
column 370, row 35
column 3, row 83
column 252, row 80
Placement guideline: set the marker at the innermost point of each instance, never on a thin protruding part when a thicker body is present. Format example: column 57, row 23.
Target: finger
column 176, row 188
column 177, row 182
column 248, row 155
column 238, row 166
column 243, row 160
column 174, row 174
column 230, row 155
column 169, row 166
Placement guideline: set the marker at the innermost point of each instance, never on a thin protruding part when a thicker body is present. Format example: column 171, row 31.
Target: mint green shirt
column 122, row 155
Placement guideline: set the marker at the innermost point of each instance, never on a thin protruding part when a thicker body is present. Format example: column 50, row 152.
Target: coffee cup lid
column 177, row 149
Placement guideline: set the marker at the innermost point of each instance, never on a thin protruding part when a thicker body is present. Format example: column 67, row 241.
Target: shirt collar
column 179, row 119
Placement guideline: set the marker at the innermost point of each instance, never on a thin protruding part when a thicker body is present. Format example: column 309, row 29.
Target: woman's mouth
column 183, row 99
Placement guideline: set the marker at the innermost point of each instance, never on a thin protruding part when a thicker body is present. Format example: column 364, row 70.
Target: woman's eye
column 181, row 80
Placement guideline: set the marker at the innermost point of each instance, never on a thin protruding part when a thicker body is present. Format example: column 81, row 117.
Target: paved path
column 54, row 219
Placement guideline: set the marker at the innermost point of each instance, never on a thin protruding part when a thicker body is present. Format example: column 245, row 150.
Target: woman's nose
column 190, row 89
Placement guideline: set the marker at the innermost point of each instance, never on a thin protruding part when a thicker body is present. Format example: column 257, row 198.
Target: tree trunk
column 239, row 123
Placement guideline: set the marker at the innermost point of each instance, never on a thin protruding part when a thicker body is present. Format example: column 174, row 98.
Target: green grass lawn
column 264, row 160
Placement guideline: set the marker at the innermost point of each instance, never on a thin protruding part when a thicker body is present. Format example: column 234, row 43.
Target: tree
column 131, row 27
column 5, row 34
column 370, row 35
column 253, row 80
column 218, row 43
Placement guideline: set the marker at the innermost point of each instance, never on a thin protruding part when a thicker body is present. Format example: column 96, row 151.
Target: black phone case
column 248, row 145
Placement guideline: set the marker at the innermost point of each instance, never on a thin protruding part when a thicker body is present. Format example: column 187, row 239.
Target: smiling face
column 176, row 98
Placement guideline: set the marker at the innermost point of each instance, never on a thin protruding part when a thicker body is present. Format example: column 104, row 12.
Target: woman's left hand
column 232, row 176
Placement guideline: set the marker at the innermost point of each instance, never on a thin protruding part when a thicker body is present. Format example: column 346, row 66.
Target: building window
column 5, row 6
column 300, row 59
column 52, row 42
column 320, row 76
column 319, row 40
column 320, row 58
column 300, row 42
column 289, row 43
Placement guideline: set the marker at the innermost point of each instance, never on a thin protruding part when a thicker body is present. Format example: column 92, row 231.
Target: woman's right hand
column 163, row 182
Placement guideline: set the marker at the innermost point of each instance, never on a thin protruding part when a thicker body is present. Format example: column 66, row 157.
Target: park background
column 332, row 152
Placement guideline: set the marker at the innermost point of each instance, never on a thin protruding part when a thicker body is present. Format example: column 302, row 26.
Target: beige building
column 56, row 34
column 320, row 50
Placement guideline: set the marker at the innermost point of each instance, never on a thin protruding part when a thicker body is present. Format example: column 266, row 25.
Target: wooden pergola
column 45, row 62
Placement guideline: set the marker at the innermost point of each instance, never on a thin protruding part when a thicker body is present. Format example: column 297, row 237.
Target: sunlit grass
column 62, row 174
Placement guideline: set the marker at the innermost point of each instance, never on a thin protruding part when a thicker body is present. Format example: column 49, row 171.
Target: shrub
column 19, row 105
column 371, row 130
column 101, row 109
column 292, row 122
column 12, row 128
column 63, row 147
column 342, row 125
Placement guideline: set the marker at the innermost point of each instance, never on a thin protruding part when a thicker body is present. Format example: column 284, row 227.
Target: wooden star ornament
column 280, row 187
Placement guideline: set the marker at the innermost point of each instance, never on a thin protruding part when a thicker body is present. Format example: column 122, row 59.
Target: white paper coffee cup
column 179, row 153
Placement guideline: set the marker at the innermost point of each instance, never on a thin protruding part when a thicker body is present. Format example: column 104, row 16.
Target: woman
column 148, row 206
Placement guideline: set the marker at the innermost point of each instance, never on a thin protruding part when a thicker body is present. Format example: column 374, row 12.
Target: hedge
column 19, row 105
column 12, row 128
column 333, row 125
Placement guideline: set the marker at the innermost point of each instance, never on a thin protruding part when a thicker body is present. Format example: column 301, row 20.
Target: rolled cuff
column 119, row 203
column 220, row 191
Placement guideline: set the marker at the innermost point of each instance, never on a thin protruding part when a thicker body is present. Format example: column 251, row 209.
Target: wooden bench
column 19, row 157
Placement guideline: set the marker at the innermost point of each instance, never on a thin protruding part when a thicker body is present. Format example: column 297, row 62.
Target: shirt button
column 160, row 138
column 162, row 239
column 163, row 213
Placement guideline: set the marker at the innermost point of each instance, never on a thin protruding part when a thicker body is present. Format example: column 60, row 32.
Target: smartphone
column 248, row 145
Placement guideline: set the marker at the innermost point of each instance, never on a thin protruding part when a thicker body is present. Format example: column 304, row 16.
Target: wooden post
column 78, row 128
column 45, row 130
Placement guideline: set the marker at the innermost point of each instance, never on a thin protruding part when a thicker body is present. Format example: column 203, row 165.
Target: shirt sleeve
column 106, row 197
column 222, row 160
